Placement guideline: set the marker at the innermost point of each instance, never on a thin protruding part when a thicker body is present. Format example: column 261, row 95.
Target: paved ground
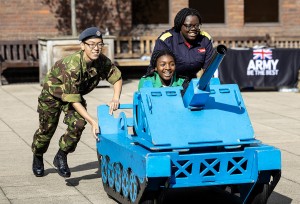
column 274, row 115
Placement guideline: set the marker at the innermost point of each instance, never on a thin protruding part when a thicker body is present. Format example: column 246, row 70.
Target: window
column 261, row 11
column 150, row 12
column 211, row 11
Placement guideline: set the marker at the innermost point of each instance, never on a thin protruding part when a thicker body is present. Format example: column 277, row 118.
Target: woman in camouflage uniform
column 64, row 86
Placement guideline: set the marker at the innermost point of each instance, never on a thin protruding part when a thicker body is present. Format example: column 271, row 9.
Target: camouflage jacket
column 69, row 78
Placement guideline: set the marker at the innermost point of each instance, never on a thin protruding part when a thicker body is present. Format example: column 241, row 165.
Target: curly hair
column 157, row 54
column 182, row 14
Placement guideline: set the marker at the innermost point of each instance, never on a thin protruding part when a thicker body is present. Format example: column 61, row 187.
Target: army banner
column 265, row 67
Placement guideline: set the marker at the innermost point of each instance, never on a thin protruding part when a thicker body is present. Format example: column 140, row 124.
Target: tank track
column 120, row 183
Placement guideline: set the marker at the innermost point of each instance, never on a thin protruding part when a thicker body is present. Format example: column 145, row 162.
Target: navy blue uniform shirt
column 189, row 59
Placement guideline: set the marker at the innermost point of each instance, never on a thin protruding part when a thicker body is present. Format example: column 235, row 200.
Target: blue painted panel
column 269, row 159
column 223, row 119
column 158, row 166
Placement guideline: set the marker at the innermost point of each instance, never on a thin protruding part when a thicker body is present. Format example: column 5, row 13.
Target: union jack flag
column 262, row 54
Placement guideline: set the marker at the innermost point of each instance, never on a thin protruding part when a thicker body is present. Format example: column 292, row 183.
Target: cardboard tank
column 198, row 137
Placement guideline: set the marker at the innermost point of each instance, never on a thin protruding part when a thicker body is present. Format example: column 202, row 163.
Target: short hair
column 157, row 54
column 182, row 14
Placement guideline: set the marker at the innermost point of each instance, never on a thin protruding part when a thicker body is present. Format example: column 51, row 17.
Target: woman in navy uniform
column 192, row 47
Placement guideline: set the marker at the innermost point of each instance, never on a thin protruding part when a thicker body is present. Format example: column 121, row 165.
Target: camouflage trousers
column 49, row 109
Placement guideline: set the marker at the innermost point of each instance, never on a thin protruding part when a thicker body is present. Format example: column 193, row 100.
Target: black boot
column 38, row 166
column 60, row 161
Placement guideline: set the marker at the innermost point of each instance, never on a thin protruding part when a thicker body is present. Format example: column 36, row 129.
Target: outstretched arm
column 83, row 112
column 114, row 103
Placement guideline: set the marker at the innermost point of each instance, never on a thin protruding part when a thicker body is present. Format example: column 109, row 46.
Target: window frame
column 263, row 24
column 152, row 25
column 221, row 24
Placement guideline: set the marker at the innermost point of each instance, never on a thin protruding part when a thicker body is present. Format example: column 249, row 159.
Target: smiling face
column 165, row 67
column 92, row 48
column 190, row 28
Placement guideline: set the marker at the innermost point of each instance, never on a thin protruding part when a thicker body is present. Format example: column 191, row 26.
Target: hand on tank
column 95, row 130
column 113, row 105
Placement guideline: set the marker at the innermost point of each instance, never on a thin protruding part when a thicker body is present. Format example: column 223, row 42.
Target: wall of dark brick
column 29, row 19
column 25, row 19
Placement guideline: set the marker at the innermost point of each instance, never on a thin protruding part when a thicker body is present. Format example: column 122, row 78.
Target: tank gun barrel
column 212, row 67
column 198, row 91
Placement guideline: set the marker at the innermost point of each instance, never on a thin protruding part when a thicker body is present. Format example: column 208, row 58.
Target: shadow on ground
column 88, row 166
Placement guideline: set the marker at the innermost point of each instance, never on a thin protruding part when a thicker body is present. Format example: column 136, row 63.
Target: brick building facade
column 29, row 19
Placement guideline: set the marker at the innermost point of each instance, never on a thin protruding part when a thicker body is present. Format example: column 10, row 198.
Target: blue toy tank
column 175, row 138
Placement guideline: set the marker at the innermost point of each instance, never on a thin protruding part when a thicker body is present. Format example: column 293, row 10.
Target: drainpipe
column 73, row 18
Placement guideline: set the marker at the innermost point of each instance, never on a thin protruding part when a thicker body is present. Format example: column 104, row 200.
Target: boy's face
column 92, row 48
column 165, row 67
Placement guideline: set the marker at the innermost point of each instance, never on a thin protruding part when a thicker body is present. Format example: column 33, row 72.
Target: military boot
column 60, row 161
column 38, row 166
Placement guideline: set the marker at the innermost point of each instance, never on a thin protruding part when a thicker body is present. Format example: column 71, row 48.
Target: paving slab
column 275, row 117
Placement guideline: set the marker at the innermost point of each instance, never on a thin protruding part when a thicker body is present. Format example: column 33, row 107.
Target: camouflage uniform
column 66, row 82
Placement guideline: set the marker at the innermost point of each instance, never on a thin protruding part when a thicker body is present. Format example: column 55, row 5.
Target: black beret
column 92, row 32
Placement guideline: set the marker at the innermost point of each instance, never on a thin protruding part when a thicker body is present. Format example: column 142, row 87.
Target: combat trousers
column 49, row 109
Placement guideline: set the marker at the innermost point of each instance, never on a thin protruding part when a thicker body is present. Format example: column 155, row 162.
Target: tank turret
column 198, row 90
column 203, row 138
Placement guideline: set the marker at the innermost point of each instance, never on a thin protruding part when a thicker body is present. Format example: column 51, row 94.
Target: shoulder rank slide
column 164, row 36
column 205, row 34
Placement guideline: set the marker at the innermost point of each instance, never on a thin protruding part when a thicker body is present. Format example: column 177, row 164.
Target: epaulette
column 164, row 36
column 205, row 34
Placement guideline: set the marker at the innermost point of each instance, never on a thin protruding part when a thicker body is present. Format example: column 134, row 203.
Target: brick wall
column 234, row 15
column 290, row 13
column 25, row 19
column 28, row 19
column 175, row 6
column 289, row 21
